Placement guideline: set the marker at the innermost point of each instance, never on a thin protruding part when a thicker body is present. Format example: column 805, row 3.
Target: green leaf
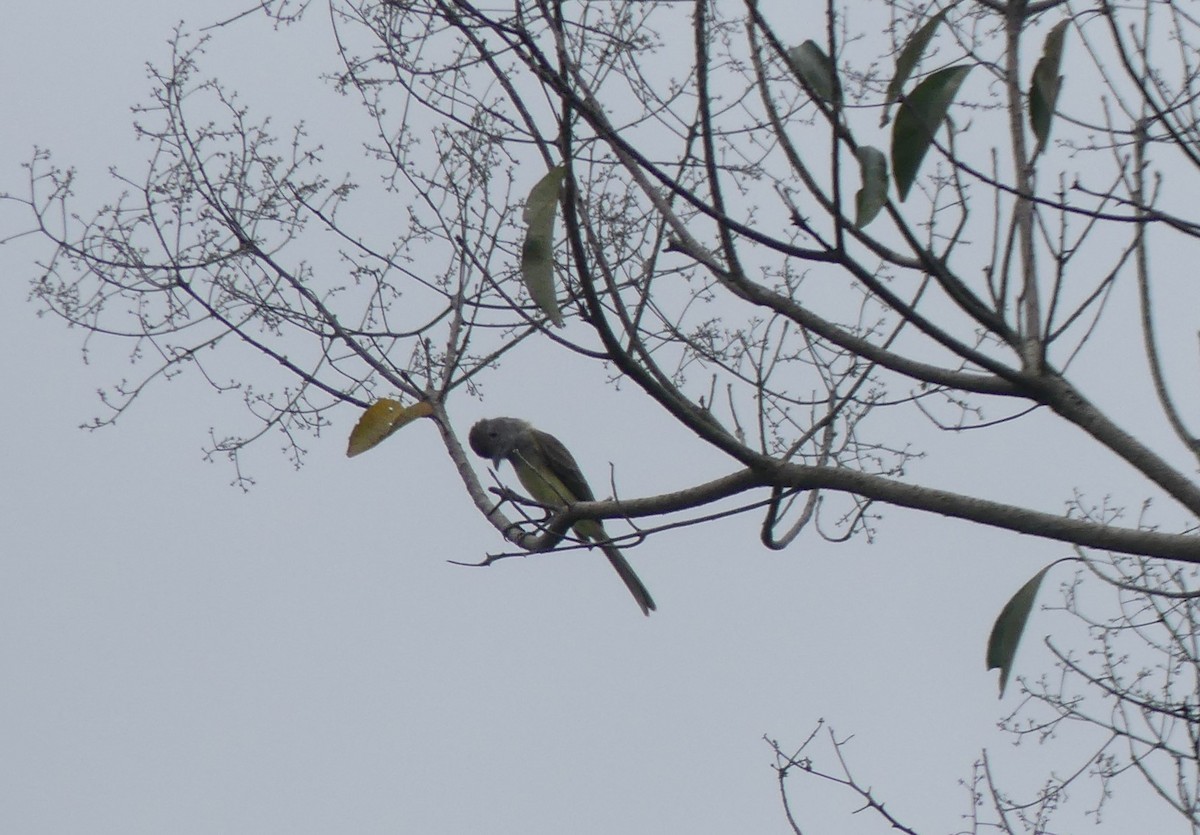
column 873, row 194
column 814, row 66
column 1006, row 632
column 381, row 419
column 919, row 117
column 909, row 56
column 1045, row 84
column 537, row 255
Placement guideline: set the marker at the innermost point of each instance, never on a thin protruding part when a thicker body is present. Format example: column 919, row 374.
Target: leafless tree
column 790, row 247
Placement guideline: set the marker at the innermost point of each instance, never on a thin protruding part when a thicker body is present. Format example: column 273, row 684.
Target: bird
column 546, row 468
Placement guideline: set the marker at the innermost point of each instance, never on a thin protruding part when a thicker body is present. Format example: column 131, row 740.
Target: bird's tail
column 630, row 578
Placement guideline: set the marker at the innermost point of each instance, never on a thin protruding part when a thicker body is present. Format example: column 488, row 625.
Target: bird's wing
column 562, row 464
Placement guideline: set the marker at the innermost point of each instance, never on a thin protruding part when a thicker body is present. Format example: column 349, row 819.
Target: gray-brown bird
column 549, row 472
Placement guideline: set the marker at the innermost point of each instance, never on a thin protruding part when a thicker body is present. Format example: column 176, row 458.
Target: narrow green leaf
column 537, row 256
column 814, row 66
column 1006, row 633
column 908, row 59
column 1045, row 85
column 919, row 117
column 873, row 194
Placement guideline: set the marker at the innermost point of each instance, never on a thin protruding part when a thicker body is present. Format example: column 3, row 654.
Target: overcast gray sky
column 178, row 656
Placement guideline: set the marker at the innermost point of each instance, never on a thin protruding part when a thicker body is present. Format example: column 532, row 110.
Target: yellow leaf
column 382, row 418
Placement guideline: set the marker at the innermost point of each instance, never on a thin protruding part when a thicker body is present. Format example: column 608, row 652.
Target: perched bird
column 548, row 471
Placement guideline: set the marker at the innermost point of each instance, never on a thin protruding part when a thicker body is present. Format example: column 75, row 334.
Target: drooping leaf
column 537, row 256
column 1006, row 632
column 907, row 60
column 814, row 66
column 873, row 194
column 1045, row 84
column 381, row 419
column 919, row 117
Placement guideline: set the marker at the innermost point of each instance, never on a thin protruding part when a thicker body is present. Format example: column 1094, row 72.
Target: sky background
column 178, row 656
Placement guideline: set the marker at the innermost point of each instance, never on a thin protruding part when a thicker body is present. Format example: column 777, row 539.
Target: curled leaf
column 381, row 419
column 873, row 194
column 537, row 256
column 1045, row 84
column 907, row 60
column 814, row 66
column 1006, row 632
column 919, row 117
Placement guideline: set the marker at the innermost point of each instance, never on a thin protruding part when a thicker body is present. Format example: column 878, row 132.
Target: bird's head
column 496, row 438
